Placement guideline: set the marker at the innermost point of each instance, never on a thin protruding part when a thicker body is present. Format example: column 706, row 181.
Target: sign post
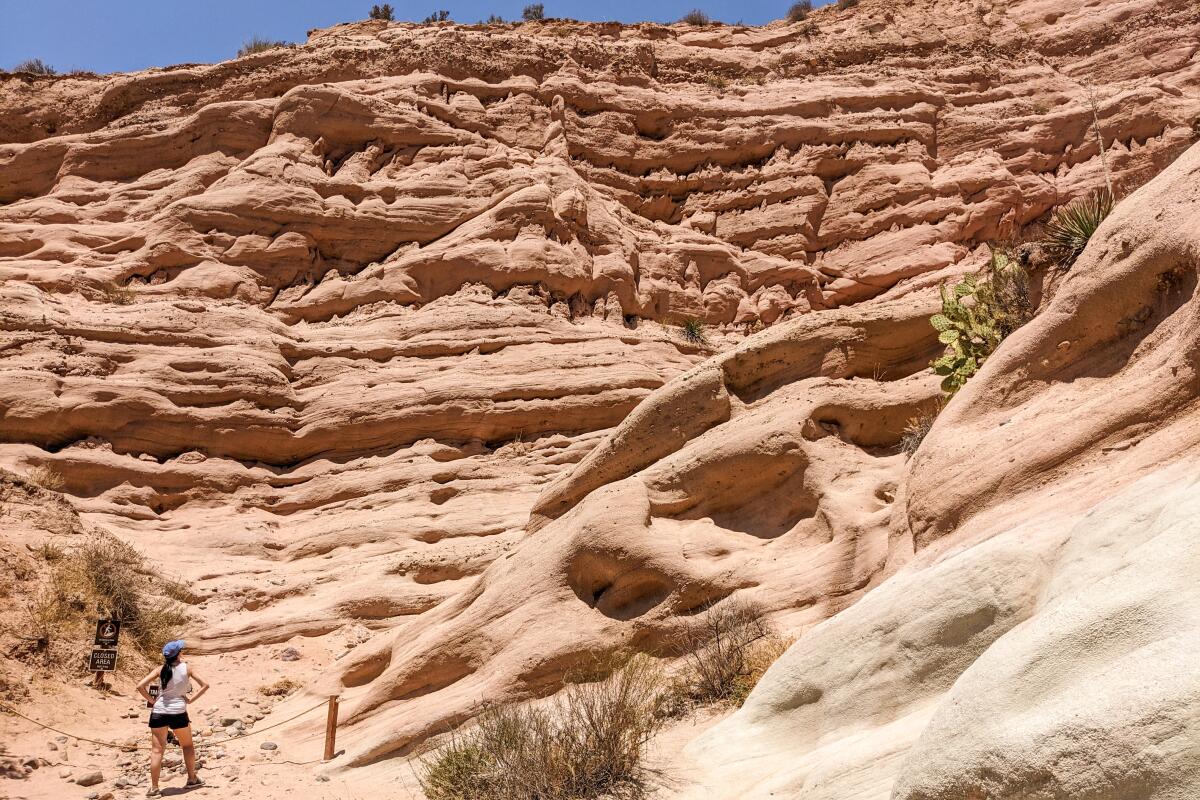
column 104, row 654
column 331, row 719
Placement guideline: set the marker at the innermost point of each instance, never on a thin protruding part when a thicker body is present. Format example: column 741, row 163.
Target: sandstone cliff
column 390, row 318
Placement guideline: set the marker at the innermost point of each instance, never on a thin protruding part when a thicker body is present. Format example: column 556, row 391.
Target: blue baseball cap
column 172, row 649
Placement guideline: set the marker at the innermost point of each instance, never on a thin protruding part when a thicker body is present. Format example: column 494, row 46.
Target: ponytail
column 164, row 675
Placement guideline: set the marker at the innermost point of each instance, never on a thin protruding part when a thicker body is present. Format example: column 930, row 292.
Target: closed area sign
column 103, row 661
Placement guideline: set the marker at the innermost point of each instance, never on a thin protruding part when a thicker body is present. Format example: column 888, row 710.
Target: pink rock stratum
column 375, row 341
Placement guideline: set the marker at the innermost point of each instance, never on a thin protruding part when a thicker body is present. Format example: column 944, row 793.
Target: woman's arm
column 203, row 686
column 141, row 687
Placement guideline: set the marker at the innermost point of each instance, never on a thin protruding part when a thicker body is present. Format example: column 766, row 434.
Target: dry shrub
column 258, row 44
column 46, row 477
column 586, row 743
column 696, row 17
column 917, row 429
column 35, row 66
column 49, row 551
column 799, row 10
column 103, row 576
column 725, row 656
column 280, row 688
column 844, row 4
column 762, row 655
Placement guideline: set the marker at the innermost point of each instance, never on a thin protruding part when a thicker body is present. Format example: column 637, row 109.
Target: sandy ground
column 239, row 768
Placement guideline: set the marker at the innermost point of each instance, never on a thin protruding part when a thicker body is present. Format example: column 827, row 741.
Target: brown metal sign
column 107, row 632
column 103, row 661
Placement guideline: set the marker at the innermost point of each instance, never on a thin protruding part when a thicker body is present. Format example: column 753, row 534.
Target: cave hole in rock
column 619, row 588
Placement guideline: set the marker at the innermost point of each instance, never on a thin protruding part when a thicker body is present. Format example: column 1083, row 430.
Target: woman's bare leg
column 184, row 735
column 158, row 743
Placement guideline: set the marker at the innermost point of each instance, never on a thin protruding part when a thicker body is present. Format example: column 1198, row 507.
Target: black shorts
column 172, row 721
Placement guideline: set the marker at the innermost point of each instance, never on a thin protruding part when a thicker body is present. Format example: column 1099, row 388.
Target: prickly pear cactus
column 968, row 331
column 976, row 315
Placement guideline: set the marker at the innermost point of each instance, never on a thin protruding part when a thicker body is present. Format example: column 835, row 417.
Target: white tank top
column 172, row 698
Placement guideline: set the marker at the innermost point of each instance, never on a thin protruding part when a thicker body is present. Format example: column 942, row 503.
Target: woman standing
column 169, row 712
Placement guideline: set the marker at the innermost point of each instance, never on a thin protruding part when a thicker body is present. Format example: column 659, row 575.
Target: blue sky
column 120, row 35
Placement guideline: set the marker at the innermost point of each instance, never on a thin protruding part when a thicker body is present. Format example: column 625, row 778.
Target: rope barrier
column 127, row 747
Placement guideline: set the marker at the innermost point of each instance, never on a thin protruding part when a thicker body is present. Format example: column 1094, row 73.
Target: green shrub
column 692, row 331
column 977, row 314
column 258, row 45
column 36, row 66
column 696, row 17
column 1071, row 227
column 533, row 12
column 440, row 15
column 384, row 12
column 585, row 744
column 799, row 10
column 495, row 19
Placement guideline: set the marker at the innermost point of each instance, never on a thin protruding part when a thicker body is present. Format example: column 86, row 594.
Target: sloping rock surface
column 392, row 315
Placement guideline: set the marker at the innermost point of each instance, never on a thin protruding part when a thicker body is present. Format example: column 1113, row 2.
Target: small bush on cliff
column 917, row 429
column 36, row 66
column 1071, row 227
column 696, row 17
column 799, row 10
column 533, row 12
column 692, row 331
column 977, row 314
column 46, row 477
column 844, row 4
column 585, row 744
column 384, row 12
column 258, row 45
column 724, row 657
column 441, row 15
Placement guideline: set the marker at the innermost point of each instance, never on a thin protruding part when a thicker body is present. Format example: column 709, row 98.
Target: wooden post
column 98, row 680
column 331, row 727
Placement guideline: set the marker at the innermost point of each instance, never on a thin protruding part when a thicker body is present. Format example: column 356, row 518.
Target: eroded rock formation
column 389, row 315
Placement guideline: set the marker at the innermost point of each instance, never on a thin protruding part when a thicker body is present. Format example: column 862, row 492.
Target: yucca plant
column 692, row 331
column 1071, row 226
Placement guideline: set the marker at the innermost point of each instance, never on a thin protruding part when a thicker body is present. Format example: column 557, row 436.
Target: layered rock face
column 390, row 314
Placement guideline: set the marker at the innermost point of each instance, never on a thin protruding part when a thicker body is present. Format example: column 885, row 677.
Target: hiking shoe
column 197, row 781
column 153, row 793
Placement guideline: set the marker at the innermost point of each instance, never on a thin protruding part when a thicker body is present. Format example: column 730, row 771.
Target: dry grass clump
column 696, row 17
column 280, row 688
column 103, row 576
column 585, row 744
column 917, row 429
column 725, row 657
column 258, row 44
column 35, row 66
column 46, row 477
